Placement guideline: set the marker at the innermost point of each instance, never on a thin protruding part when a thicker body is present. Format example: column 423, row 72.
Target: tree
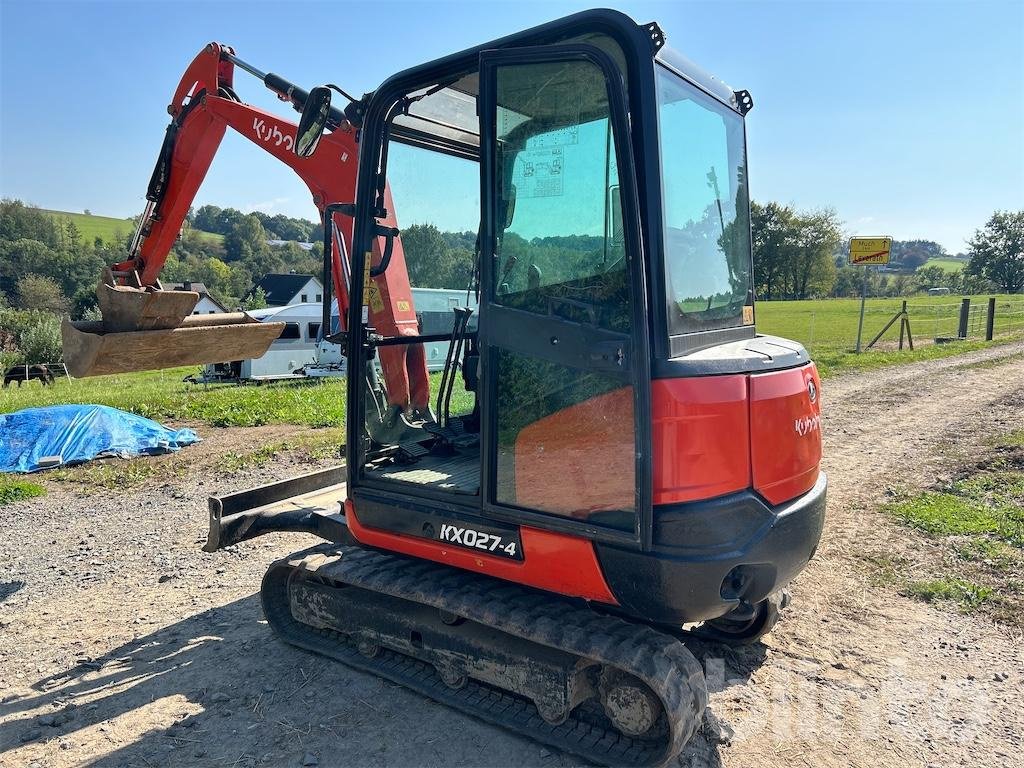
column 38, row 292
column 206, row 218
column 937, row 277
column 911, row 254
column 246, row 239
column 997, row 251
column 848, row 281
column 256, row 300
column 774, row 228
column 40, row 342
column 215, row 273
column 812, row 267
column 793, row 251
column 425, row 249
column 19, row 221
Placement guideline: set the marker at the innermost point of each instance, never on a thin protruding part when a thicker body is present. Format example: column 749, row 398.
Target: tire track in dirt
column 857, row 674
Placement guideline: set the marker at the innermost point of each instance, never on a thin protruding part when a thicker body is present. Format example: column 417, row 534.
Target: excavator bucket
column 146, row 329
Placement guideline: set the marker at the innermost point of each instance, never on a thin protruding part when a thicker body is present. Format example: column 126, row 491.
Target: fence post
column 965, row 313
column 990, row 321
column 903, row 325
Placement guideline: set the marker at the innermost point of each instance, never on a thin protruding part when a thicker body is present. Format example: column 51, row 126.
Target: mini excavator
column 638, row 466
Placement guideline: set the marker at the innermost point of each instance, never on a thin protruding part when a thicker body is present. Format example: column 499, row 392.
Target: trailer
column 287, row 355
column 302, row 352
column 435, row 313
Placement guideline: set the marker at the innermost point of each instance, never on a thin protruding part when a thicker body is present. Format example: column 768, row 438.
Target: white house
column 207, row 304
column 285, row 290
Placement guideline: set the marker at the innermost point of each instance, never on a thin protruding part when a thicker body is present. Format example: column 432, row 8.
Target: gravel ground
column 123, row 644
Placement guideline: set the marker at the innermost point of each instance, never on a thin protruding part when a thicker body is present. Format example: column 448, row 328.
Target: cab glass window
column 706, row 209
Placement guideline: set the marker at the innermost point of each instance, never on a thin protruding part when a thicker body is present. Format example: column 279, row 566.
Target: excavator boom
column 145, row 327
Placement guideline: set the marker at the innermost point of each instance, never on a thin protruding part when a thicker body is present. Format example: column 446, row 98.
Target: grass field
column 828, row 328
column 162, row 395
column 950, row 265
column 829, row 323
column 108, row 228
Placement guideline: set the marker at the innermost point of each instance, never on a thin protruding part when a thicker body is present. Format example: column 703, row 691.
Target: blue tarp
column 79, row 433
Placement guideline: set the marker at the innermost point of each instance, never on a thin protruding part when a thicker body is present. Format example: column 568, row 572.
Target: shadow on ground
column 218, row 689
column 8, row 588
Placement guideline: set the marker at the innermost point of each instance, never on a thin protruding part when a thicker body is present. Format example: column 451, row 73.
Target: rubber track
column 661, row 661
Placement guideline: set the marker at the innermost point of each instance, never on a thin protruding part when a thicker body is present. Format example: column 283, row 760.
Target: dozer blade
column 93, row 349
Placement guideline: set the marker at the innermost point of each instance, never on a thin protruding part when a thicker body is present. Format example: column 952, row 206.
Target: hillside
column 108, row 228
column 950, row 265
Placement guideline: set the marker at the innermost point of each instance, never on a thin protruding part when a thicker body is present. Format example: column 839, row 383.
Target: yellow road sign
column 869, row 250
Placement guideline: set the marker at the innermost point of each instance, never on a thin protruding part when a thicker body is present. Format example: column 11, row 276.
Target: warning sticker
column 367, row 258
column 540, row 173
column 376, row 302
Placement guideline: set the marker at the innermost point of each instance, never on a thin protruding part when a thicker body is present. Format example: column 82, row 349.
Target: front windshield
column 704, row 189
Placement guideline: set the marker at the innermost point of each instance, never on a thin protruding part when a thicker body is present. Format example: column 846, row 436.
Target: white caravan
column 295, row 348
column 300, row 351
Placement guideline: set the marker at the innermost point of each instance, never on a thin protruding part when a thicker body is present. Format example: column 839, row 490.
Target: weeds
column 114, row 474
column 14, row 489
column 979, row 520
column 968, row 595
column 985, row 503
column 994, row 554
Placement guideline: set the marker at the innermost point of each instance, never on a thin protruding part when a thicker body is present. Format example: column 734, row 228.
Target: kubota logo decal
column 807, row 424
column 268, row 133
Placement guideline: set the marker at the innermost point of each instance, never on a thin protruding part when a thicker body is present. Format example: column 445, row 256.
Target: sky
column 906, row 118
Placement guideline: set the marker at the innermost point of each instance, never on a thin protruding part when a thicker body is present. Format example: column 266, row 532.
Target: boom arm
column 203, row 107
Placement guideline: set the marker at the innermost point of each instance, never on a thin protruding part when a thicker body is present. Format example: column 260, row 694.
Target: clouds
column 269, row 206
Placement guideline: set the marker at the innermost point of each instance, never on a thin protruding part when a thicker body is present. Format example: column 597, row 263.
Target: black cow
column 19, row 374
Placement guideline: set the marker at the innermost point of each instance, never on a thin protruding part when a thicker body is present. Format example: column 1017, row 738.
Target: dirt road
column 122, row 644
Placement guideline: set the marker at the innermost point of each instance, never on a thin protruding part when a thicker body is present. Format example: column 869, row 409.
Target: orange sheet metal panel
column 581, row 459
column 785, row 424
column 551, row 561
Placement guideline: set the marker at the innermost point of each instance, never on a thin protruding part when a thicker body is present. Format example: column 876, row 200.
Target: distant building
column 284, row 290
column 281, row 243
column 207, row 304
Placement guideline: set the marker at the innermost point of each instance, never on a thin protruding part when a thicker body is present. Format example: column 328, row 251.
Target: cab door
column 562, row 333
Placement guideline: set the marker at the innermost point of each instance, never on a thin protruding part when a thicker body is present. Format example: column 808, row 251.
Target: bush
column 35, row 335
column 41, row 342
column 9, row 357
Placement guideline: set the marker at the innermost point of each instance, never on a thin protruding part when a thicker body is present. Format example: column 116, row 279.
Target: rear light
column 701, row 437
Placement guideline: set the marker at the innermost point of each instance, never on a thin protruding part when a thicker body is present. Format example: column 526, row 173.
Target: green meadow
column 108, row 228
column 827, row 327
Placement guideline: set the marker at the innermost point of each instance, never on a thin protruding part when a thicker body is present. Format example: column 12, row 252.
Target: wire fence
column 1009, row 316
column 832, row 323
